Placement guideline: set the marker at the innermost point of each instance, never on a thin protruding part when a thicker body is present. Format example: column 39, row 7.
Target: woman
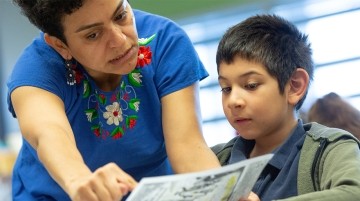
column 103, row 101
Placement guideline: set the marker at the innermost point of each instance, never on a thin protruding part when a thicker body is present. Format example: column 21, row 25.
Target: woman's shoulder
column 38, row 65
column 144, row 17
column 38, row 53
column 148, row 23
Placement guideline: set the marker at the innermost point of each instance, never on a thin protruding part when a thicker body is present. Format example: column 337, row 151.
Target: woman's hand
column 108, row 183
column 252, row 197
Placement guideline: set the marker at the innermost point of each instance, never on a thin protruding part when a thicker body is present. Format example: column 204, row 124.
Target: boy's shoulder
column 318, row 131
column 318, row 142
column 223, row 150
column 315, row 135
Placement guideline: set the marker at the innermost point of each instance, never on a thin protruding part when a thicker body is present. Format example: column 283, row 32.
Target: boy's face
column 252, row 101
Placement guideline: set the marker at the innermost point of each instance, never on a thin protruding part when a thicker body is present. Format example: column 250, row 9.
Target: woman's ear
column 58, row 45
column 299, row 83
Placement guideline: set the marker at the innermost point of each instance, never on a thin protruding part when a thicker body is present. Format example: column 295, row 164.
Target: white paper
column 228, row 183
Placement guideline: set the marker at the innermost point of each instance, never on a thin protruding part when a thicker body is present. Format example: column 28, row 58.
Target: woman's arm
column 185, row 143
column 44, row 125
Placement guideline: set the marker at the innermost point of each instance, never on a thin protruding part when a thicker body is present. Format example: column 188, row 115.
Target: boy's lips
column 241, row 120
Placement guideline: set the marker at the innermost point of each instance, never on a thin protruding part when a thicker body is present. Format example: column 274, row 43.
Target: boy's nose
column 236, row 99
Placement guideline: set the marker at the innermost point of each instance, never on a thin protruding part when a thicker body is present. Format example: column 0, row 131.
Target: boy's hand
column 252, row 197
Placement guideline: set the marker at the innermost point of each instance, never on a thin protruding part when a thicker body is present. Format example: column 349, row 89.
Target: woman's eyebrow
column 84, row 27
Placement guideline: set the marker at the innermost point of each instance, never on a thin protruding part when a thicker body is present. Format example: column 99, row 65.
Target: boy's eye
column 122, row 16
column 251, row 86
column 226, row 90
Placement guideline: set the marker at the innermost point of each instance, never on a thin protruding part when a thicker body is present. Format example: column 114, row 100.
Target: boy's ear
column 299, row 83
column 58, row 45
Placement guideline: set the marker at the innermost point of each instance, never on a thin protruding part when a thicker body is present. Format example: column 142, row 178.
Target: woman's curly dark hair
column 47, row 15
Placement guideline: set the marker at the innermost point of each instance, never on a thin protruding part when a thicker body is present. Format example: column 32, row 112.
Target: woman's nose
column 116, row 38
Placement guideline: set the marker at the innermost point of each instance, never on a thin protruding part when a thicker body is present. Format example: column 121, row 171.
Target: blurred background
column 332, row 26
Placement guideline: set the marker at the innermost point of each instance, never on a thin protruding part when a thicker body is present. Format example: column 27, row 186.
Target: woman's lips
column 125, row 57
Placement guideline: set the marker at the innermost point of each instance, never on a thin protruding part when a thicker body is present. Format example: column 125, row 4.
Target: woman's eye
column 251, row 86
column 122, row 16
column 92, row 36
column 226, row 90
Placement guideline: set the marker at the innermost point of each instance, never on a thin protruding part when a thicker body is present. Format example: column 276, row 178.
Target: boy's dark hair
column 272, row 41
column 47, row 15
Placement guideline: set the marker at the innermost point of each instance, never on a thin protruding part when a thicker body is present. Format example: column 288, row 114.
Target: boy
column 265, row 68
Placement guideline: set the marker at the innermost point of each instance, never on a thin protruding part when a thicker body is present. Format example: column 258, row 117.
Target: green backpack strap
column 223, row 151
column 318, row 137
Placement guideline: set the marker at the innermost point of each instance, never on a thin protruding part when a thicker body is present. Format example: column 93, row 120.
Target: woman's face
column 102, row 36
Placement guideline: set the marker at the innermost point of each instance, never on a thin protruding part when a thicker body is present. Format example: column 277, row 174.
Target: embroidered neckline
column 110, row 114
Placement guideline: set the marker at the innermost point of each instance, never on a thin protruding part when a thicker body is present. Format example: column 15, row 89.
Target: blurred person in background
column 334, row 111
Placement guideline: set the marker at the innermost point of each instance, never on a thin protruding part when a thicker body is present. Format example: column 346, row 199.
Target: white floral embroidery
column 137, row 77
column 113, row 114
column 142, row 40
column 89, row 116
column 137, row 105
column 145, row 41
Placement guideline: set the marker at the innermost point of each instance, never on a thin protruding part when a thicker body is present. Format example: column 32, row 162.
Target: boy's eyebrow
column 99, row 23
column 242, row 75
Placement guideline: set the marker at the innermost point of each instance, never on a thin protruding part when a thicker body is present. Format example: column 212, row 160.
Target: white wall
column 15, row 33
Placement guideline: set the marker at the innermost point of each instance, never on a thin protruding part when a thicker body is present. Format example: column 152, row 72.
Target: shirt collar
column 243, row 147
